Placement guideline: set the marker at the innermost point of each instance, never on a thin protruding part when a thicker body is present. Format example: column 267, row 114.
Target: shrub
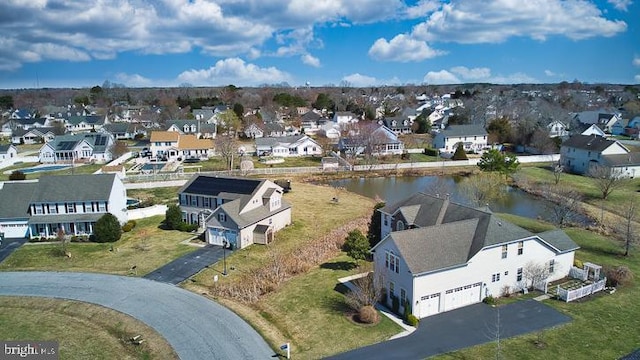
column 187, row 227
column 356, row 245
column 619, row 275
column 368, row 315
column 578, row 263
column 489, row 300
column 17, row 175
column 460, row 154
column 412, row 320
column 407, row 310
column 430, row 152
column 173, row 217
column 107, row 229
column 129, row 226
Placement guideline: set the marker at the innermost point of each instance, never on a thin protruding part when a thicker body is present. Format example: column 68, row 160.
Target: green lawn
column 70, row 322
column 606, row 326
column 307, row 310
column 147, row 246
column 163, row 195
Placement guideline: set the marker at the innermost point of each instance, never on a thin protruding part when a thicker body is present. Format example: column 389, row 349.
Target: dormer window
column 399, row 225
column 222, row 217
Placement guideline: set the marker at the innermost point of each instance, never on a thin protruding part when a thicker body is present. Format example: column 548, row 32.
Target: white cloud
column 462, row 74
column 637, row 78
column 234, row 71
column 422, row 8
column 621, row 5
column 310, row 60
column 440, row 77
column 636, row 61
column 471, row 74
column 402, row 48
column 549, row 73
column 359, row 80
column 134, row 80
column 496, row 21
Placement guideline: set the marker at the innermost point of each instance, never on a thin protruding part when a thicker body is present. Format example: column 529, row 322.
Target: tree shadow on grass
column 339, row 265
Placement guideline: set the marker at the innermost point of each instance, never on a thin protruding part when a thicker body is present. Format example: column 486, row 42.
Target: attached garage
column 429, row 305
column 462, row 296
column 14, row 229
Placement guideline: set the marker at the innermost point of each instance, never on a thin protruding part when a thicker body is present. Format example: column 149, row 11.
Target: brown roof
column 191, row 142
column 164, row 136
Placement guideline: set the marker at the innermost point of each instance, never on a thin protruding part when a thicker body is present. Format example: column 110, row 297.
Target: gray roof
column 52, row 218
column 232, row 209
column 275, row 141
column 201, row 125
column 588, row 142
column 619, row 160
column 15, row 198
column 98, row 141
column 559, row 240
column 5, row 148
column 89, row 119
column 84, row 187
column 446, row 234
column 464, row 130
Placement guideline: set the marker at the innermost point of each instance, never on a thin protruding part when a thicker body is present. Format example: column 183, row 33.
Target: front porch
column 47, row 226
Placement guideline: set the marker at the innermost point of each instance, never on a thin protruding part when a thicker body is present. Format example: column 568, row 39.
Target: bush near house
column 17, row 175
column 107, row 229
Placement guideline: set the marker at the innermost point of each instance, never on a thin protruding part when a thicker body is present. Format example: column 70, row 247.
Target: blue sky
column 141, row 43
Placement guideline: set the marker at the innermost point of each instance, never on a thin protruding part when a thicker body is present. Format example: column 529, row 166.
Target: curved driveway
column 194, row 326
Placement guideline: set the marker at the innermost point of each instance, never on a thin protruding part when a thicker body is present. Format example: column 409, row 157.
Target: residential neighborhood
column 393, row 216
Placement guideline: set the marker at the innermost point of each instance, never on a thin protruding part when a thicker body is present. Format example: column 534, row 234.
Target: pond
column 393, row 189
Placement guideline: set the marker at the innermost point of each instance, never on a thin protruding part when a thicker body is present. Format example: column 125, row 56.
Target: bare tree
column 558, row 169
column 606, row 179
column 483, row 188
column 366, row 290
column 629, row 215
column 226, row 146
column 535, row 274
column 563, row 204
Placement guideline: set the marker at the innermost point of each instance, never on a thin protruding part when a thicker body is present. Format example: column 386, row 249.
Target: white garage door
column 14, row 230
column 462, row 296
column 429, row 305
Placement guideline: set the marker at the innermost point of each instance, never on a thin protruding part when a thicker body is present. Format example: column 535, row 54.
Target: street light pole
column 224, row 257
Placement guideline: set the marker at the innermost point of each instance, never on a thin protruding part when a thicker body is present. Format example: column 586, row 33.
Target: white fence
column 135, row 214
column 570, row 295
column 578, row 273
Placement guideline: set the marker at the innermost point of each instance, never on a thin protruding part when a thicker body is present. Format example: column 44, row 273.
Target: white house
column 85, row 147
column 8, row 152
column 344, row 117
column 286, row 146
column 557, row 129
column 173, row 144
column 199, row 128
column 73, row 203
column 235, row 211
column 580, row 152
column 594, row 130
column 473, row 138
column 373, row 139
column 437, row 256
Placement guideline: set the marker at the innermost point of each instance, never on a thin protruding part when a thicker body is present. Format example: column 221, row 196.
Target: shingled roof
column 588, row 142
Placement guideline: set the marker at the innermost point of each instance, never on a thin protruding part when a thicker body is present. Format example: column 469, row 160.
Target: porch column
column 46, row 230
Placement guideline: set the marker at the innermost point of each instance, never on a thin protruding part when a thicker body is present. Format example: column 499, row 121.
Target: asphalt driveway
column 465, row 327
column 188, row 265
column 10, row 245
column 196, row 328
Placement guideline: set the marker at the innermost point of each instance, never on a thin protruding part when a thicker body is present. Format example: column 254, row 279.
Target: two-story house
column 436, row 255
column 472, row 137
column 173, row 145
column 235, row 211
column 72, row 203
column 164, row 144
column 200, row 128
column 580, row 152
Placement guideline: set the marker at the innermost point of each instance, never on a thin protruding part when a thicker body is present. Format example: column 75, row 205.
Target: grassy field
column 605, row 326
column 146, row 246
column 163, row 195
column 69, row 323
column 307, row 311
column 541, row 175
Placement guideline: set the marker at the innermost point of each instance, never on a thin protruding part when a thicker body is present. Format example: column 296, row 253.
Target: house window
column 53, row 209
column 552, row 264
column 222, row 217
column 39, row 210
column 194, row 201
column 400, row 226
column 520, row 247
column 519, row 274
column 102, row 207
column 392, row 288
column 386, row 220
column 504, row 251
column 403, row 296
column 392, row 262
column 71, row 208
column 495, row 277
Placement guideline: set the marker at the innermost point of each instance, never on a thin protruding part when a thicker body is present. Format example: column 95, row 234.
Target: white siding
column 117, row 204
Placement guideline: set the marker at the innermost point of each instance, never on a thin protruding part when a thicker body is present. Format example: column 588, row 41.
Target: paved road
column 196, row 327
column 188, row 265
column 465, row 327
column 10, row 245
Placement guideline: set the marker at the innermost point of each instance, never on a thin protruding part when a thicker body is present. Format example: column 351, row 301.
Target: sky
column 361, row 43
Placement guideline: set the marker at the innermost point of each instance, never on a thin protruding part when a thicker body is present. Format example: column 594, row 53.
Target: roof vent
column 499, row 223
